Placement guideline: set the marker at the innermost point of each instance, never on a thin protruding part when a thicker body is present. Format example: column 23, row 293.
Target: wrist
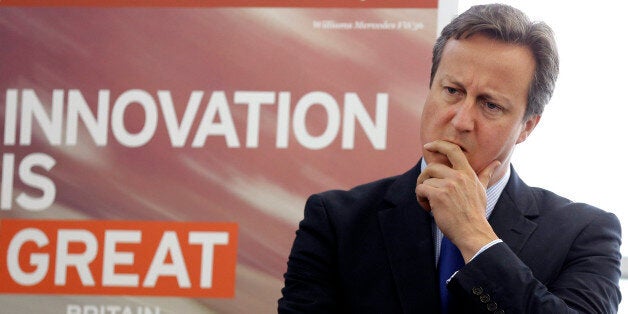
column 469, row 246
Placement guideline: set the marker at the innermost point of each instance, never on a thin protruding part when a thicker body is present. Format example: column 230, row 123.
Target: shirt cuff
column 482, row 249
column 485, row 247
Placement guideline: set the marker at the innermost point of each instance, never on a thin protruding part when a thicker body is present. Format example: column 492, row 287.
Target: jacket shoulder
column 367, row 193
column 551, row 202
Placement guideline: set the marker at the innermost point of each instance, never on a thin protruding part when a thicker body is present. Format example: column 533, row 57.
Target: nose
column 464, row 116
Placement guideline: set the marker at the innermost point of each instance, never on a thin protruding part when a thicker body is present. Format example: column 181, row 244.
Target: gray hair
column 507, row 24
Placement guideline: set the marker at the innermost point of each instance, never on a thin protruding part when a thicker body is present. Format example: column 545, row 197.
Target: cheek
column 431, row 114
column 497, row 143
column 427, row 110
column 426, row 118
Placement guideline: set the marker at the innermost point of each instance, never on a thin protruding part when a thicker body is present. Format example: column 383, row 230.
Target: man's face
column 478, row 99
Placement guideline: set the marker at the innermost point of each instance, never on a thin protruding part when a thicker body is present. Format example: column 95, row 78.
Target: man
column 384, row 247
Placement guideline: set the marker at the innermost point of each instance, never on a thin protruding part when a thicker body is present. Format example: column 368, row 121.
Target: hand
column 456, row 195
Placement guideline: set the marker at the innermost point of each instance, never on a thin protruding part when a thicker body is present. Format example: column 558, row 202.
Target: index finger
column 453, row 152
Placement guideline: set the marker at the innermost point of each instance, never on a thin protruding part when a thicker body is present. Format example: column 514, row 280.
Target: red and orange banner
column 137, row 141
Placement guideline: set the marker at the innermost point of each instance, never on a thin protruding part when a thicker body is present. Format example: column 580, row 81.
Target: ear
column 528, row 125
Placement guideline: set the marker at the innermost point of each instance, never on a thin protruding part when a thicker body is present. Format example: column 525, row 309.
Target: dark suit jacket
column 370, row 250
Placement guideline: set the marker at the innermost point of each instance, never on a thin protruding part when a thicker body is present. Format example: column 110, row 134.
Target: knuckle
column 450, row 186
column 459, row 177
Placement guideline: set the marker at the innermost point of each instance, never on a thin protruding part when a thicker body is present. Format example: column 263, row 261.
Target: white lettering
column 73, row 309
column 283, row 119
column 110, row 309
column 217, row 106
column 97, row 127
column 113, row 258
column 150, row 122
column 39, row 260
column 91, row 309
column 80, row 261
column 169, row 244
column 37, row 181
column 179, row 132
column 33, row 108
column 6, row 186
column 375, row 131
column 255, row 100
column 216, row 119
column 208, row 240
column 333, row 120
column 10, row 117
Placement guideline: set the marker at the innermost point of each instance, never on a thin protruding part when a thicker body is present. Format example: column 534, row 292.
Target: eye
column 451, row 90
column 493, row 107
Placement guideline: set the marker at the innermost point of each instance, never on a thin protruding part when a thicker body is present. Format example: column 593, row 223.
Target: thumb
column 487, row 173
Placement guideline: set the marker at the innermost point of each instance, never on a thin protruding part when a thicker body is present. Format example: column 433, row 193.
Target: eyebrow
column 449, row 78
column 491, row 95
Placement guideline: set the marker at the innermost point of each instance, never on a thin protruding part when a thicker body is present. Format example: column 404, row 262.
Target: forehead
column 487, row 64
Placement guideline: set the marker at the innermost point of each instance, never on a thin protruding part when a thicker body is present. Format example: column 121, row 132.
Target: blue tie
column 450, row 261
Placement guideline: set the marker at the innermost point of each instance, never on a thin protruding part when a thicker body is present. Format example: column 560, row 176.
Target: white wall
column 579, row 148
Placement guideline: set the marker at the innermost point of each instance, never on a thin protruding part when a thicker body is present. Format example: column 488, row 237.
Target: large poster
column 156, row 159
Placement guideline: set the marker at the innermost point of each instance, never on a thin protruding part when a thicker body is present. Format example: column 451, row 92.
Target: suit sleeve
column 311, row 279
column 497, row 280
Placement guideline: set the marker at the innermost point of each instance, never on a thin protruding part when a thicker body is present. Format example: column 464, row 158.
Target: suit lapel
column 511, row 217
column 407, row 232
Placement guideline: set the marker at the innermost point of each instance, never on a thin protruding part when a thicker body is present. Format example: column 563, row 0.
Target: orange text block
column 187, row 259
